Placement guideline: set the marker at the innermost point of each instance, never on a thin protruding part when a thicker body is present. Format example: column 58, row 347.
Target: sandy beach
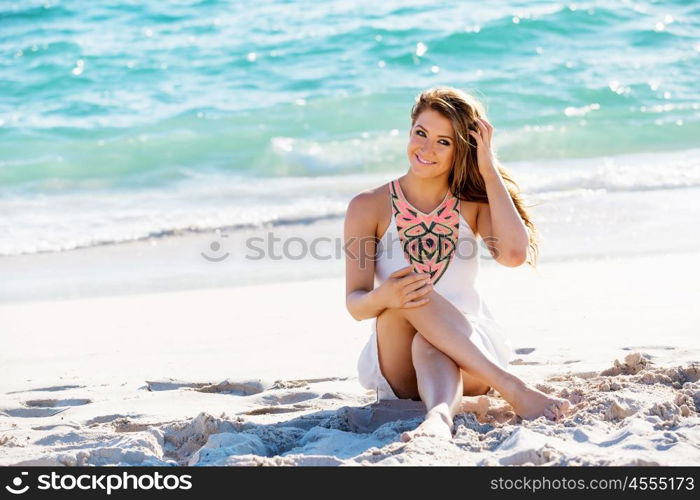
column 215, row 377
column 145, row 145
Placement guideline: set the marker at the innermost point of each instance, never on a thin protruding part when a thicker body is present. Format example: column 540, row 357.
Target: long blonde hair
column 465, row 181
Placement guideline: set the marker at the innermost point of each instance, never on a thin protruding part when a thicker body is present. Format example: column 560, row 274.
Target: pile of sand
column 633, row 413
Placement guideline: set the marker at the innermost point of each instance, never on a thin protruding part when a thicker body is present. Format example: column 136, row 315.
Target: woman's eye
column 422, row 134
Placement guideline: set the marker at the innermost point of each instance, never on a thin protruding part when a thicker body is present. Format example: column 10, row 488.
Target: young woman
column 412, row 259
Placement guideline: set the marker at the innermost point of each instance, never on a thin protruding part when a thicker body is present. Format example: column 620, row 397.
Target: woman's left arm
column 498, row 221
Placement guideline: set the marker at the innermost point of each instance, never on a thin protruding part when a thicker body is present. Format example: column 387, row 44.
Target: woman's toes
column 550, row 413
column 435, row 425
column 563, row 407
column 557, row 410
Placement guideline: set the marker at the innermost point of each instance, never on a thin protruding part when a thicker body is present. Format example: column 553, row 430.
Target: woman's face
column 431, row 144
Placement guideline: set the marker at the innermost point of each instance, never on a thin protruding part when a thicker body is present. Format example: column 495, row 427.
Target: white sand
column 219, row 376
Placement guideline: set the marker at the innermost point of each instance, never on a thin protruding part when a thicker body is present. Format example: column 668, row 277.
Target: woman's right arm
column 404, row 288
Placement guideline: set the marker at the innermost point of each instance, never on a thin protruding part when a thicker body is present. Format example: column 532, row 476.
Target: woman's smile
column 423, row 161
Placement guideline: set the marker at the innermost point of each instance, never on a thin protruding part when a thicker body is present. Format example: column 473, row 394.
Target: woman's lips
column 420, row 160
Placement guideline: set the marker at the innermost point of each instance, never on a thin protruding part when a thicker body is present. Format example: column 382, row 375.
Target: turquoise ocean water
column 126, row 120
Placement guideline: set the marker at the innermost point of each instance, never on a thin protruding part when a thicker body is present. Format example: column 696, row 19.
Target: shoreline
column 594, row 225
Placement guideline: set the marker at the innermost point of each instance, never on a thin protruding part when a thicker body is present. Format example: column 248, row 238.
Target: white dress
column 456, row 283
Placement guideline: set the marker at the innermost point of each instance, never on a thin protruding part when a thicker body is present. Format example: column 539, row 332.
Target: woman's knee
column 389, row 312
column 395, row 318
column 421, row 347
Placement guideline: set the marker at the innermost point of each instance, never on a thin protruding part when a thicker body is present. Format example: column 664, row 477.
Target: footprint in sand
column 51, row 403
column 237, row 387
column 645, row 347
column 243, row 387
column 291, row 384
column 234, row 387
column 38, row 408
column 103, row 419
column 269, row 410
column 171, row 384
column 31, row 412
column 521, row 361
column 288, row 398
column 524, row 351
column 54, row 388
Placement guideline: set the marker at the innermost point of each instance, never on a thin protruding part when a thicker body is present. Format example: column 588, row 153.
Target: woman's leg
column 446, row 328
column 472, row 385
column 440, row 387
column 394, row 337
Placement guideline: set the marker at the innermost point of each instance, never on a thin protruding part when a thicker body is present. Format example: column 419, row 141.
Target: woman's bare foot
column 436, row 423
column 529, row 403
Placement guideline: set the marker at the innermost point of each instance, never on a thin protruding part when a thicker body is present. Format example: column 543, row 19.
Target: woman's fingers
column 485, row 127
column 416, row 285
column 415, row 294
column 401, row 272
column 418, row 297
column 484, row 123
column 416, row 303
column 407, row 280
column 476, row 136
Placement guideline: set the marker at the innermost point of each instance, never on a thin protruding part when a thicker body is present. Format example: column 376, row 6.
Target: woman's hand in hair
column 484, row 152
